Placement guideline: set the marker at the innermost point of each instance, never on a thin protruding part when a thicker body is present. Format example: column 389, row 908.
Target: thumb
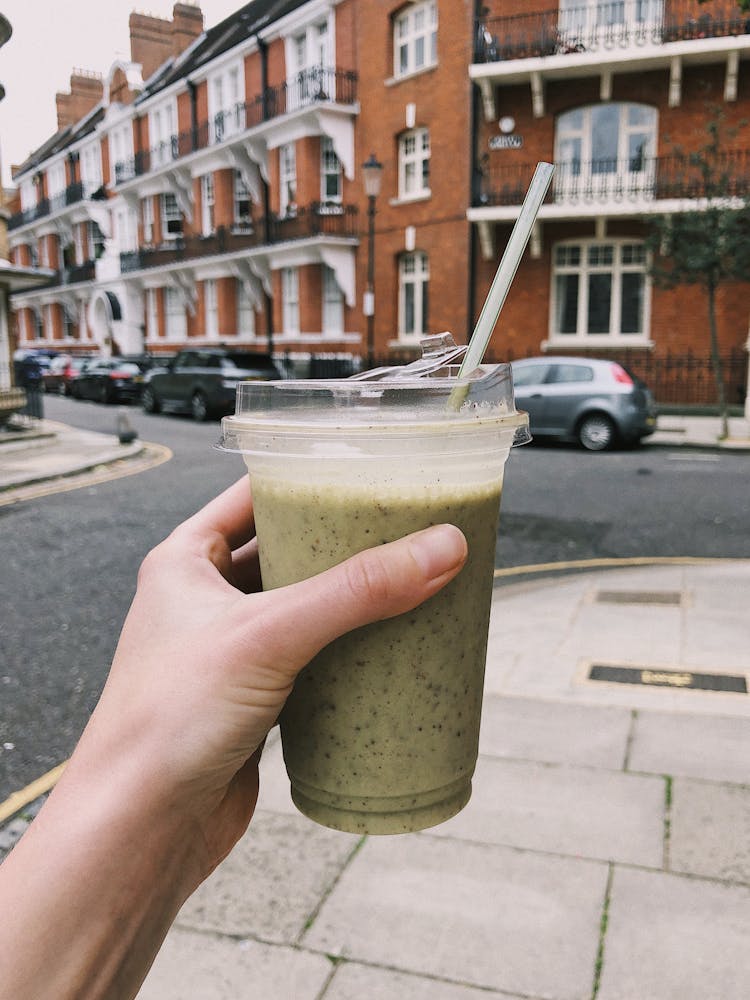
column 388, row 580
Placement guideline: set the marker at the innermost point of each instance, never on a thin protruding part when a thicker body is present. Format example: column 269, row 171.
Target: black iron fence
column 603, row 26
column 636, row 178
column 684, row 379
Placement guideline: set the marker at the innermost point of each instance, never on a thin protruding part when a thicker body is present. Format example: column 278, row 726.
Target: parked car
column 596, row 402
column 62, row 371
column 109, row 380
column 203, row 381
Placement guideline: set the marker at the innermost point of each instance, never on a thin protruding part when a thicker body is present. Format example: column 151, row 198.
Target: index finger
column 230, row 515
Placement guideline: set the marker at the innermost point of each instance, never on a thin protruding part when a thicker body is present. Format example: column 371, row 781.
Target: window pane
column 600, row 300
column 424, row 326
column 409, row 308
column 566, row 288
column 605, row 120
column 419, row 53
column 631, row 311
column 637, row 146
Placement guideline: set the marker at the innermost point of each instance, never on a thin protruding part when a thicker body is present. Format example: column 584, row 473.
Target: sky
column 49, row 39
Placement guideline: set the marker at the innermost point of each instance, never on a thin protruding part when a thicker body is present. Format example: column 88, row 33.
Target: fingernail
column 438, row 549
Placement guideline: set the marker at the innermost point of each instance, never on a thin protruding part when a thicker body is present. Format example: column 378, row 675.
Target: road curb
column 105, row 468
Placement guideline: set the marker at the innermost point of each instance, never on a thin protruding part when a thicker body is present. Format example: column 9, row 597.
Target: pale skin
column 164, row 780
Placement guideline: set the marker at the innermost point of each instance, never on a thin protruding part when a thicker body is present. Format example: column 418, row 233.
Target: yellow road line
column 16, row 802
column 612, row 563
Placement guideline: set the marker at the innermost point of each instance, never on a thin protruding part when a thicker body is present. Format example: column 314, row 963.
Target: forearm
column 90, row 891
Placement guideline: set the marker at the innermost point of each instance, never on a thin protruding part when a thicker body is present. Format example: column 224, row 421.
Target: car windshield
column 238, row 360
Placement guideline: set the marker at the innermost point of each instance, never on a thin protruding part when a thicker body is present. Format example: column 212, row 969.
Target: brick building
column 210, row 189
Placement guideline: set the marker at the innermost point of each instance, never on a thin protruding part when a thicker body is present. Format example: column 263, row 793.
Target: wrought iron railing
column 319, row 218
column 72, row 275
column 639, row 178
column 308, row 87
column 73, row 193
column 597, row 26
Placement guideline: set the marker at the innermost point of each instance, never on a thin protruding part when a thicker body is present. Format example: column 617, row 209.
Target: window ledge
column 410, row 198
column 600, row 343
column 391, row 81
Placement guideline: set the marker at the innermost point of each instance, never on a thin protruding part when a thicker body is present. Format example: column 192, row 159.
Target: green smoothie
column 380, row 733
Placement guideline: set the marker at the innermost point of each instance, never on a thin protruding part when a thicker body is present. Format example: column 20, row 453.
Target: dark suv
column 203, row 381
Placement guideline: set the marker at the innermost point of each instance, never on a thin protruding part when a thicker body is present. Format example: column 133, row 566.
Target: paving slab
column 639, row 634
column 717, row 640
column 710, row 830
column 554, row 731
column 478, row 914
column 692, row 746
column 581, row 812
column 192, row 966
column 670, row 937
column 273, row 880
column 362, row 982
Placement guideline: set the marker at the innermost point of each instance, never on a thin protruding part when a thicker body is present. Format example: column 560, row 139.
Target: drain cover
column 668, row 597
column 658, row 677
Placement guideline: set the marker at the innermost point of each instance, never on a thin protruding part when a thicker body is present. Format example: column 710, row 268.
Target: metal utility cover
column 674, row 679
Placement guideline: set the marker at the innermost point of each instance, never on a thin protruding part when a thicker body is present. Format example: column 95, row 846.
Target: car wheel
column 596, row 432
column 199, row 407
column 149, row 401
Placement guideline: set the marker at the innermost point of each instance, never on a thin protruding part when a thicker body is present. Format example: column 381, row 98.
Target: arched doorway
column 104, row 312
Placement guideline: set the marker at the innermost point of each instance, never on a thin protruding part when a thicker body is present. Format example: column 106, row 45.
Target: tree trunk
column 716, row 360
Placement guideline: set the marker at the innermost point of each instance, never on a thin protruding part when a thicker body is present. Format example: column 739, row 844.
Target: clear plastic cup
column 380, row 733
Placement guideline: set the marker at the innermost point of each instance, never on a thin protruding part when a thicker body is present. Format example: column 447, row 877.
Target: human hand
column 205, row 660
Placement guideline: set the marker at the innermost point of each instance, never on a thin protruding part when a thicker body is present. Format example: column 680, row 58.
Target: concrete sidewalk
column 45, row 450
column 604, row 852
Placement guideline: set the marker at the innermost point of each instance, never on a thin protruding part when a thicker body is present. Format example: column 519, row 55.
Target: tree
column 742, row 4
column 709, row 245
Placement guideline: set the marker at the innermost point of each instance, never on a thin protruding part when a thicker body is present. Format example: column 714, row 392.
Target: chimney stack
column 153, row 40
column 86, row 90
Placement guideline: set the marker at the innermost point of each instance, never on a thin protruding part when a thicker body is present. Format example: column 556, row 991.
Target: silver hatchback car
column 593, row 401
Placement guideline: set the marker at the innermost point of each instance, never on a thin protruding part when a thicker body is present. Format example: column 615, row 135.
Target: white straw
column 506, row 271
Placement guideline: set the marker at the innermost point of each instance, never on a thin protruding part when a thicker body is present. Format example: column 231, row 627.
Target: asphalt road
column 69, row 561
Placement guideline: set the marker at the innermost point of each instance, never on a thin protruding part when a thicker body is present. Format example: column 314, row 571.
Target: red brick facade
column 452, row 180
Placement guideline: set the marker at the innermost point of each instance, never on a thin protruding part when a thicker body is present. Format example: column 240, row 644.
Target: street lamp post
column 372, row 171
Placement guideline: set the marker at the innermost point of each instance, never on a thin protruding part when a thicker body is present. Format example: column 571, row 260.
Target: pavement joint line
column 668, row 798
column 313, row 915
column 599, row 961
column 629, row 740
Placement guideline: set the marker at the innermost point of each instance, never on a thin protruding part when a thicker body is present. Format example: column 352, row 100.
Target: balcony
column 72, row 195
column 72, row 275
column 317, row 219
column 640, row 186
column 601, row 39
column 308, row 89
column 605, row 26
